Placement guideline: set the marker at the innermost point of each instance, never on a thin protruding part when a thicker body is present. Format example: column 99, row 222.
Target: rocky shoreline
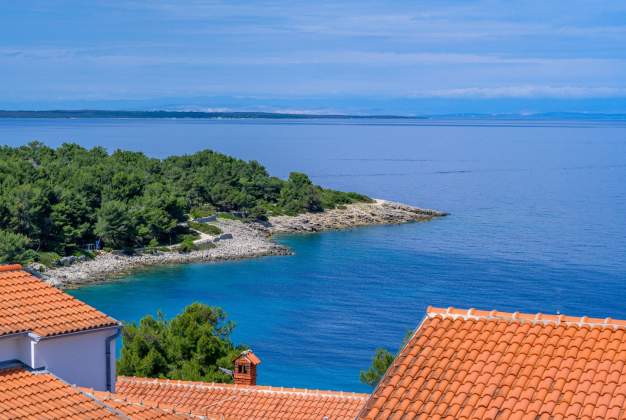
column 248, row 241
column 380, row 212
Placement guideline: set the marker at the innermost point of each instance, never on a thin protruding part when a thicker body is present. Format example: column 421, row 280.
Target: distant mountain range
column 272, row 115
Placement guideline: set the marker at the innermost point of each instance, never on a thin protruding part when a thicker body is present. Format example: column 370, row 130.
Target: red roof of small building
column 238, row 402
column 28, row 304
column 250, row 357
column 470, row 364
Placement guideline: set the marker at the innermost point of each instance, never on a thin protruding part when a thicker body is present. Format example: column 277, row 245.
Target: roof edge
column 556, row 319
column 38, row 337
column 364, row 410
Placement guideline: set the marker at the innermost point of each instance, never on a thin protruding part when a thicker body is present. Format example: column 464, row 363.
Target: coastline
column 249, row 240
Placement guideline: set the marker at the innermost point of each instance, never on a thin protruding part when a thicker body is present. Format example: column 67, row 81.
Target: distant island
column 184, row 114
column 112, row 212
column 173, row 114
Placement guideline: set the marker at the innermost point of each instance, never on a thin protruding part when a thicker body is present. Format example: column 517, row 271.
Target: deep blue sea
column 538, row 223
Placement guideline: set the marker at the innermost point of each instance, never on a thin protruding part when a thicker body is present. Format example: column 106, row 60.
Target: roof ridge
column 556, row 319
column 10, row 267
column 249, row 388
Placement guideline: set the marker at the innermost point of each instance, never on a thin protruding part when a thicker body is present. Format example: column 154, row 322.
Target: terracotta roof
column 28, row 304
column 135, row 410
column 234, row 402
column 250, row 357
column 26, row 395
column 466, row 364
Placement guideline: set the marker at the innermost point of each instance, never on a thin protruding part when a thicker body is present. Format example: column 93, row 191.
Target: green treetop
column 383, row 358
column 63, row 199
column 191, row 346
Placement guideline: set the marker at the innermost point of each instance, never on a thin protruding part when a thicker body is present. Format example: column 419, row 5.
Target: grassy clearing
column 205, row 228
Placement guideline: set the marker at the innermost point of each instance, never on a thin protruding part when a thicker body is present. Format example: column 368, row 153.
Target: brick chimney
column 245, row 368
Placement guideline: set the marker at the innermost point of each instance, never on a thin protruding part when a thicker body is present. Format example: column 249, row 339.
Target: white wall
column 78, row 359
column 16, row 347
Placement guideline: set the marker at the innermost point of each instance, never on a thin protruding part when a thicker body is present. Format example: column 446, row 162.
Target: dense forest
column 59, row 200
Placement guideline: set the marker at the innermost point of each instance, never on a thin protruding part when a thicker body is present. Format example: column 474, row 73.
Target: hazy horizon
column 432, row 57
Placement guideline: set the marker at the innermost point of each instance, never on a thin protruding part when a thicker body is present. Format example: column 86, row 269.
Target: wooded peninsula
column 57, row 202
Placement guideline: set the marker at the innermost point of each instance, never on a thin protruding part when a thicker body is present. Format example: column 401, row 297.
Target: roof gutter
column 107, row 352
column 38, row 337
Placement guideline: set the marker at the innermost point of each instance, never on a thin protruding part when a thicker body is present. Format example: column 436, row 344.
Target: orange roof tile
column 28, row 304
column 26, row 395
column 468, row 364
column 135, row 410
column 234, row 402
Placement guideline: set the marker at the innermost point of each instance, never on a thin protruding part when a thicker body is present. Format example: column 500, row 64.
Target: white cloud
column 154, row 55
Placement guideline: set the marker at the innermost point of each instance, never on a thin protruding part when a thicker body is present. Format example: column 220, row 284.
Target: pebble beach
column 249, row 240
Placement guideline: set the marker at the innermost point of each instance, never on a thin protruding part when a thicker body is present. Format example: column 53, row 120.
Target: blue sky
column 407, row 57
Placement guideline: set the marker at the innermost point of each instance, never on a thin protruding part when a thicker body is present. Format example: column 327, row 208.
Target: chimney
column 245, row 368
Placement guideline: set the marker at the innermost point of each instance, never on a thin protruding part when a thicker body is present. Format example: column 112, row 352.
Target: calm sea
column 538, row 223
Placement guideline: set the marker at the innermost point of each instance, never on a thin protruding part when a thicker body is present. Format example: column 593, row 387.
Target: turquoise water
column 538, row 223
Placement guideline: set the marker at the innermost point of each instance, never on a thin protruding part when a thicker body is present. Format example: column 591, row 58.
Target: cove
column 537, row 223
column 316, row 317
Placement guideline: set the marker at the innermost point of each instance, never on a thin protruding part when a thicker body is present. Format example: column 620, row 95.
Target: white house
column 44, row 328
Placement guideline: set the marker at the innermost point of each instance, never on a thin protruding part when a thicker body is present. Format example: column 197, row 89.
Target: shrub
column 205, row 228
column 14, row 248
column 186, row 246
column 190, row 235
column 273, row 209
column 382, row 360
column 202, row 211
column 83, row 253
column 48, row 258
column 332, row 199
column 205, row 245
column 227, row 216
column 299, row 195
